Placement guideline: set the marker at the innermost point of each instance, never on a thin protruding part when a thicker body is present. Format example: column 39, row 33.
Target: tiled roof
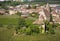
column 38, row 22
column 57, row 7
column 46, row 13
column 2, row 11
column 53, row 12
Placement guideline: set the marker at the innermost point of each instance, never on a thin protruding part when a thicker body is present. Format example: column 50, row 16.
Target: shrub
column 10, row 26
column 51, row 28
column 1, row 25
column 21, row 23
column 16, row 31
column 34, row 14
column 22, row 30
column 28, row 31
column 29, row 7
column 19, row 13
column 35, row 28
column 28, row 22
column 56, row 25
column 52, row 31
column 46, row 26
column 34, row 7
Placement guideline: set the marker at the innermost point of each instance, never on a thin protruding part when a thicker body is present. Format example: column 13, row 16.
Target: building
column 24, row 0
column 2, row 11
column 56, row 16
column 12, row 10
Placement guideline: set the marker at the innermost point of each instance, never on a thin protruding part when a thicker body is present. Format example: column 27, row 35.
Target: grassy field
column 39, row 37
column 7, row 35
column 6, row 21
column 13, row 19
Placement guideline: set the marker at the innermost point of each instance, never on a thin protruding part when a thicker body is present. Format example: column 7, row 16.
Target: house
column 44, row 14
column 56, row 9
column 47, row 7
column 56, row 14
column 54, row 5
column 24, row 15
column 2, row 11
column 12, row 11
column 56, row 17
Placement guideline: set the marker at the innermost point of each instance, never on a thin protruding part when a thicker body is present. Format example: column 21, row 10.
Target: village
column 30, row 21
column 43, row 11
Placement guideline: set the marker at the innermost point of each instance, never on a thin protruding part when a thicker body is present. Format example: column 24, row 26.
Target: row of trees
column 37, row 0
column 4, row 4
column 14, row 3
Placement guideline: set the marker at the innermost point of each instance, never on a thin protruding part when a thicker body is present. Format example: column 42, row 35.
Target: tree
column 19, row 13
column 49, row 27
column 46, row 26
column 34, row 28
column 28, row 22
column 34, row 14
column 34, row 7
column 29, row 7
column 28, row 31
column 51, row 18
column 21, row 23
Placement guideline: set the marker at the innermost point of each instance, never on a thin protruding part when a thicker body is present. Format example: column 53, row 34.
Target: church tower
column 48, row 7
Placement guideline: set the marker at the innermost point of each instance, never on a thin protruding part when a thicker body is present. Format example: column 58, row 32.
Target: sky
column 14, row 0
column 1, row 0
